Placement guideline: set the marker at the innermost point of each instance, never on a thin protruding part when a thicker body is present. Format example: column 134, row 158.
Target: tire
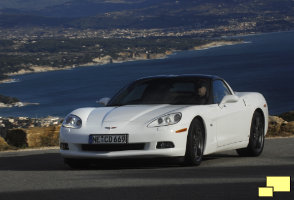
column 256, row 139
column 195, row 143
column 76, row 163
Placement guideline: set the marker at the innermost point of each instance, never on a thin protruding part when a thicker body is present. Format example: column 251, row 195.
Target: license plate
column 109, row 139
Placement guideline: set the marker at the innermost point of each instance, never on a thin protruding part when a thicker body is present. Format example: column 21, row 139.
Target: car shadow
column 54, row 161
column 219, row 156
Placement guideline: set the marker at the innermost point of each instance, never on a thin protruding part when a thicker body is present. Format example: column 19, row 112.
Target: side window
column 219, row 91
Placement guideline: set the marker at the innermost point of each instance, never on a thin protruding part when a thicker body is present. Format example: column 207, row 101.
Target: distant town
column 31, row 33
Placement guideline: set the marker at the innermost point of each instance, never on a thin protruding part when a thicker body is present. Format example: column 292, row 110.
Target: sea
column 264, row 63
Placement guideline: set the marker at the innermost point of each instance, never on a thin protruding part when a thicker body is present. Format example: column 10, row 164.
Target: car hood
column 128, row 113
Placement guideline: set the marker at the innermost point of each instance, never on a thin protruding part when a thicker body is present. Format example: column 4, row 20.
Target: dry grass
column 43, row 136
column 4, row 146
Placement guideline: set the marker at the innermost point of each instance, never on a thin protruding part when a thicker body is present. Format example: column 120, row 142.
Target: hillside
column 262, row 15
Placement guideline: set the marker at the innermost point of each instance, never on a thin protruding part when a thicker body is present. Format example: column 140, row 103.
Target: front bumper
column 149, row 137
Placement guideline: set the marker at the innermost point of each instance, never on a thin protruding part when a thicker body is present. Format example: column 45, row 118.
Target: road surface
column 41, row 175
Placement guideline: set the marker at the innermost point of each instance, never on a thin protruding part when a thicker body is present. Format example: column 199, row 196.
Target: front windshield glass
column 179, row 91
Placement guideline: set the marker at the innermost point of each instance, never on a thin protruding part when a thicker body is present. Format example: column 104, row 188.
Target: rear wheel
column 195, row 143
column 256, row 140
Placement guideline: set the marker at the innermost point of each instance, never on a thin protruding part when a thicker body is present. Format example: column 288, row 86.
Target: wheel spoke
column 197, row 142
column 258, row 133
column 194, row 151
column 256, row 139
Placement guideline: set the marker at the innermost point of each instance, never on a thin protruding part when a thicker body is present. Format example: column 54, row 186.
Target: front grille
column 113, row 147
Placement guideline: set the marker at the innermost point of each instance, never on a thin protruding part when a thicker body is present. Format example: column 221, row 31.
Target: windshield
column 179, row 91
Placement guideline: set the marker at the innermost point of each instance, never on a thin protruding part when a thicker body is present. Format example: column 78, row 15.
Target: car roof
column 182, row 76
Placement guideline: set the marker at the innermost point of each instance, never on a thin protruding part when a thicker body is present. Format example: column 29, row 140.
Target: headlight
column 166, row 120
column 72, row 121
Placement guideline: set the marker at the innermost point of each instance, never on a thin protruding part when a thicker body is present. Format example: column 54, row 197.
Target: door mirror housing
column 103, row 101
column 229, row 99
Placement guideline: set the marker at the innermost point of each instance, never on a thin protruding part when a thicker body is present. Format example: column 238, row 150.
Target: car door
column 229, row 117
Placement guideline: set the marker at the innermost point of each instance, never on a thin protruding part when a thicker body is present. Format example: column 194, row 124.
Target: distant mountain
column 24, row 20
column 71, row 8
column 29, row 5
column 146, row 13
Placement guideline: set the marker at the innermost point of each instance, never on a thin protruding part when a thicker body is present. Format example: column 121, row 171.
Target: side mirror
column 104, row 101
column 229, row 99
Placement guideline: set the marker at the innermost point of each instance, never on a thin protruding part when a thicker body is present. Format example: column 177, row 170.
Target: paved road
column 42, row 175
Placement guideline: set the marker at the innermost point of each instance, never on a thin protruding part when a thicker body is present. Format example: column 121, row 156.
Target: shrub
column 8, row 100
column 17, row 138
column 288, row 116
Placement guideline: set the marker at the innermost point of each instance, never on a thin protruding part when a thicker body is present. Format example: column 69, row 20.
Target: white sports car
column 167, row 116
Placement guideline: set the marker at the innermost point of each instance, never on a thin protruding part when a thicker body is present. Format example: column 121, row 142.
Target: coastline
column 9, row 80
column 17, row 104
column 34, row 69
column 217, row 44
column 121, row 59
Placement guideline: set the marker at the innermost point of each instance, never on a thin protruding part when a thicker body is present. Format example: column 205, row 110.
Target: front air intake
column 113, row 147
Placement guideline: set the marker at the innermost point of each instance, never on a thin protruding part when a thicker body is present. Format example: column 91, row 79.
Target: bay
column 265, row 64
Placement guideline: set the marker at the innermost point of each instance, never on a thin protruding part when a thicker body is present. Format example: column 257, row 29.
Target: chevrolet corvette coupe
column 184, row 116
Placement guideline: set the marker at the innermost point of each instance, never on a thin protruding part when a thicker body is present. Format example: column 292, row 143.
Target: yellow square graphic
column 279, row 183
column 265, row 191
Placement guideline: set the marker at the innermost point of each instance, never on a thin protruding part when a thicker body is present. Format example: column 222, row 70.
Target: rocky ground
column 281, row 126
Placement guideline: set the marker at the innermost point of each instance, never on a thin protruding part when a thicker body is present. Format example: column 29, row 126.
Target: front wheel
column 256, row 139
column 195, row 143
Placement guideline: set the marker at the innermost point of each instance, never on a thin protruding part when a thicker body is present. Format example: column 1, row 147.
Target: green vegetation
column 17, row 138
